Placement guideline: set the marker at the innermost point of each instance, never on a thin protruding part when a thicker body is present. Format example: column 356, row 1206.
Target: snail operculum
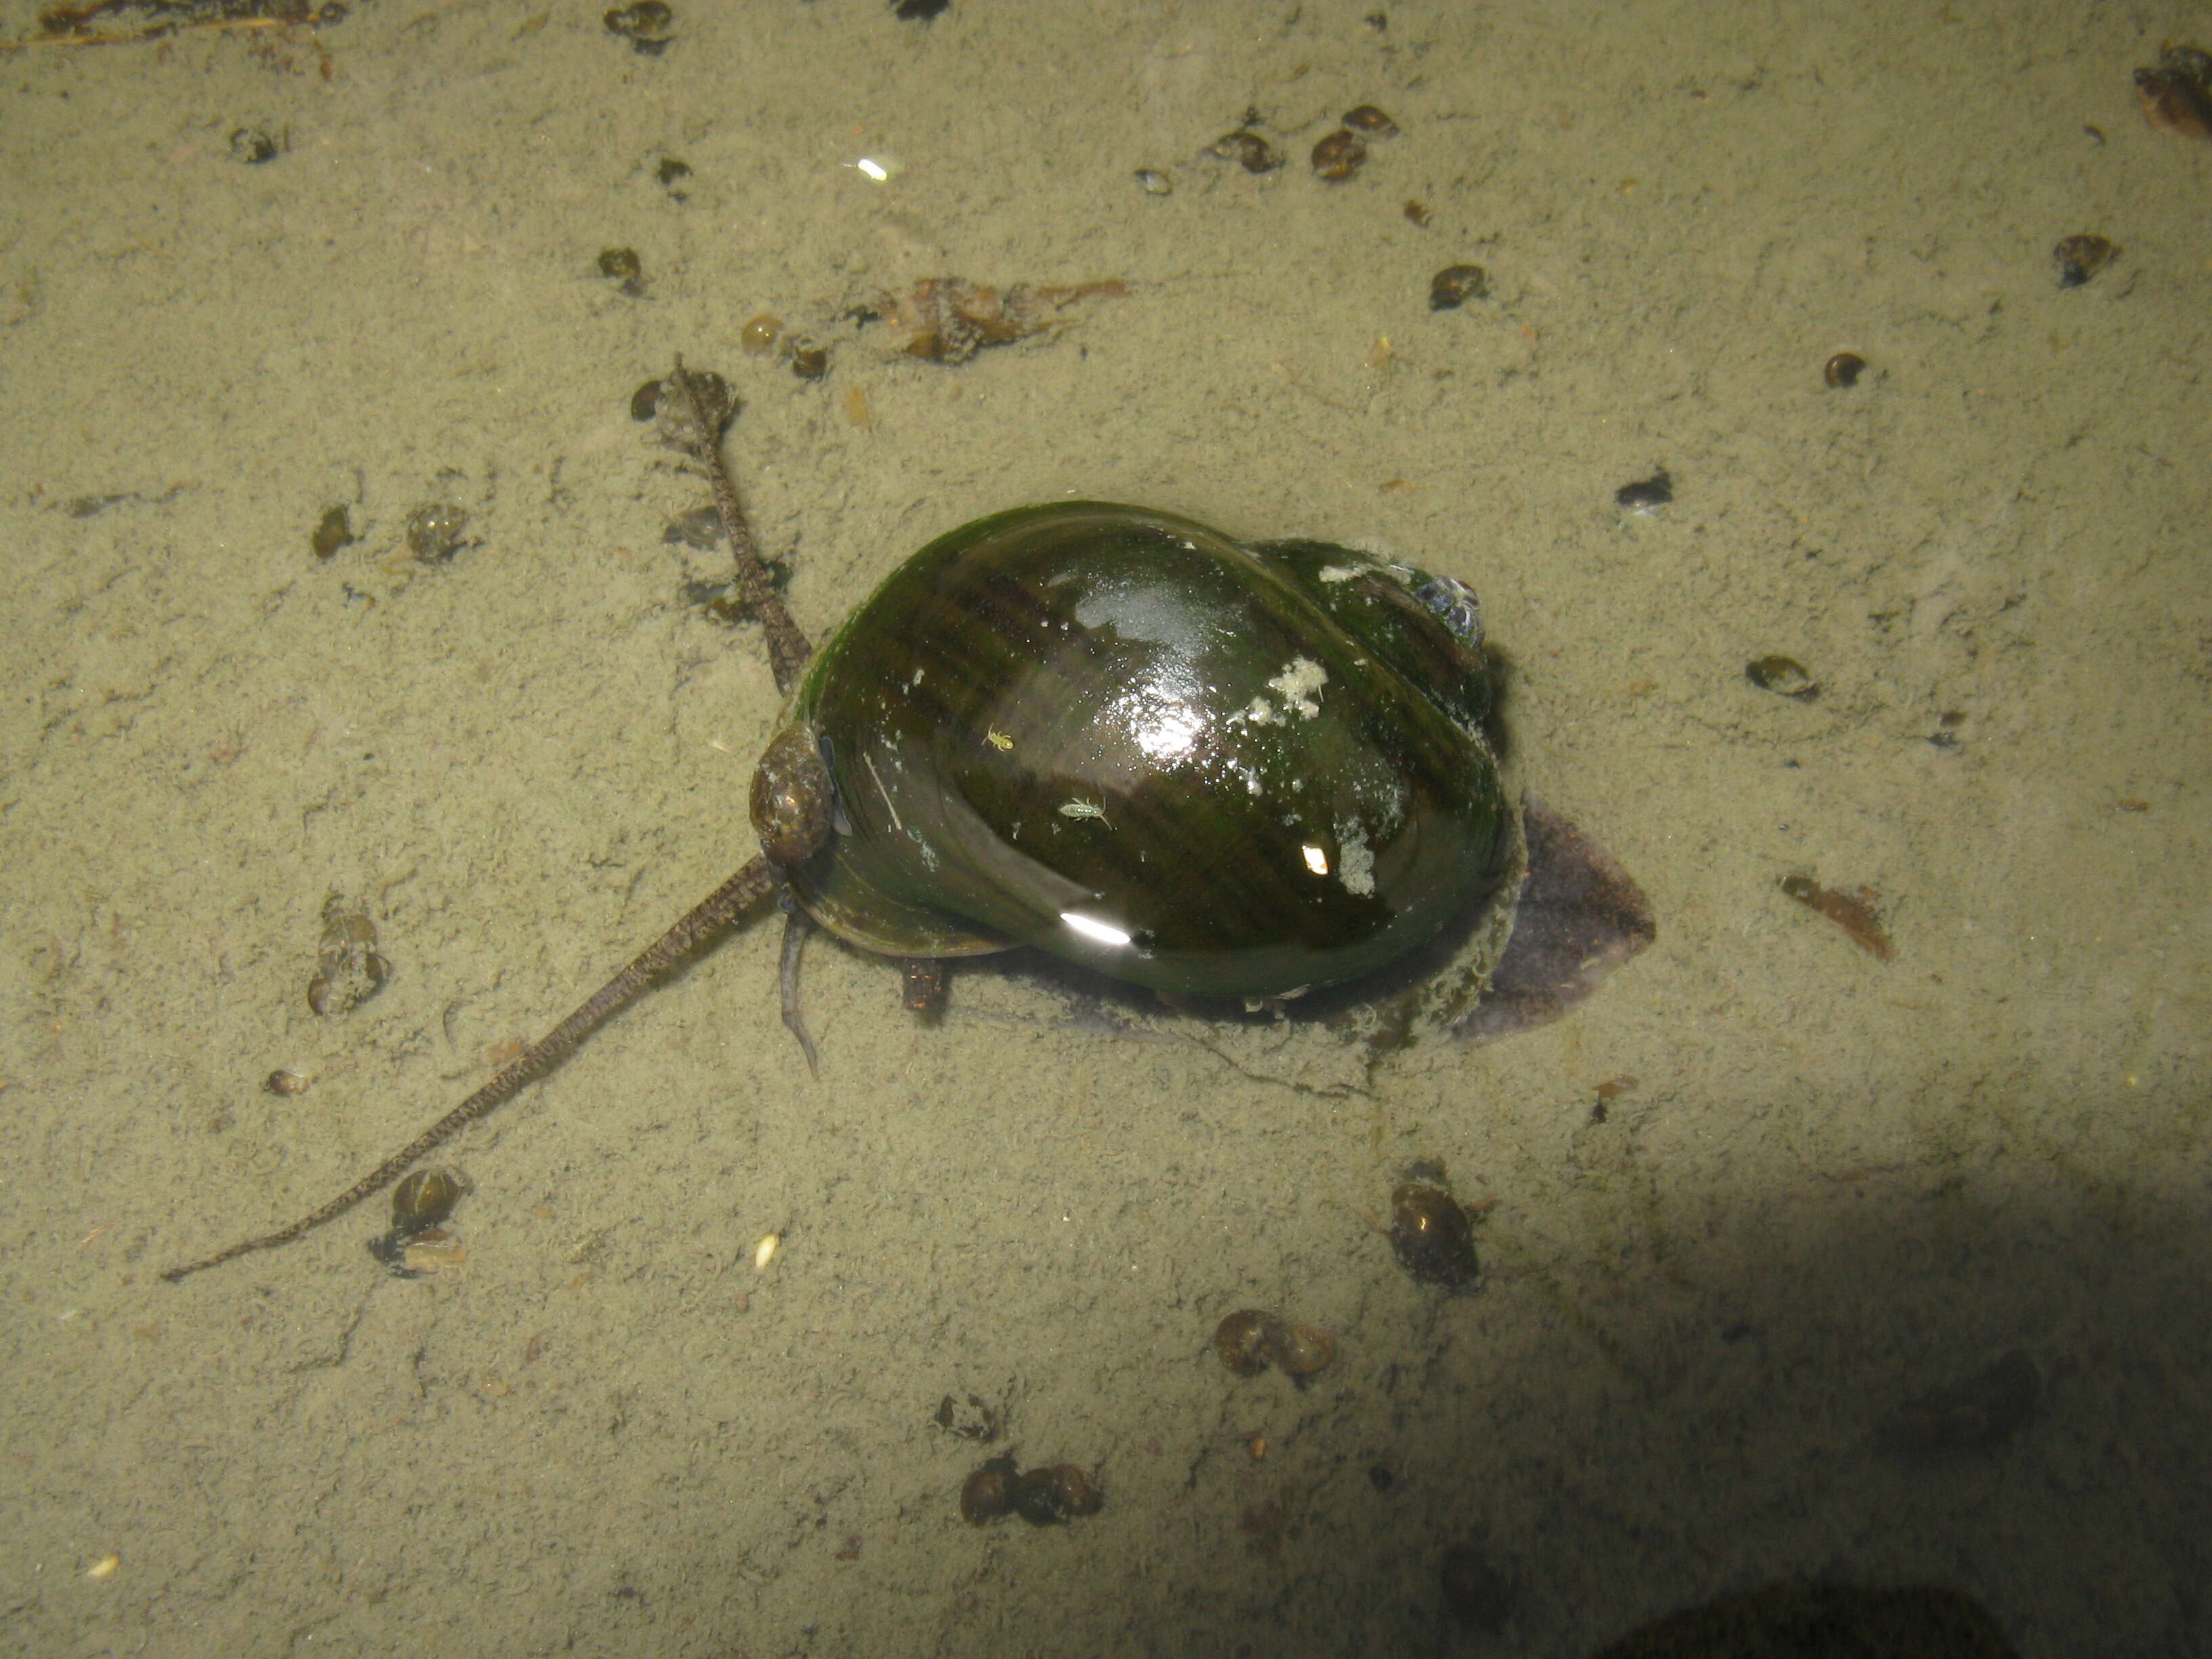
column 1119, row 736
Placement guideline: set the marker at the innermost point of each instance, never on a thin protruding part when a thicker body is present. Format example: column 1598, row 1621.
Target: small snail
column 425, row 1199
column 1242, row 772
column 1303, row 1351
column 1250, row 1341
column 1062, row 1492
column 1431, row 1232
column 1043, row 1496
column 422, row 1200
column 1242, row 1341
column 988, row 1492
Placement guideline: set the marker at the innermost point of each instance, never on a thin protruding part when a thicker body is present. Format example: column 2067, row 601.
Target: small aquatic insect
column 1243, row 775
column 1852, row 912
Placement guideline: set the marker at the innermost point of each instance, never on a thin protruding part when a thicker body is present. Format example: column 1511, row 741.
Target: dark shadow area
column 1966, row 1389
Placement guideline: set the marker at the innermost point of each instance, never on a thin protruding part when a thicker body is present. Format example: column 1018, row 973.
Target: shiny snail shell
column 1209, row 768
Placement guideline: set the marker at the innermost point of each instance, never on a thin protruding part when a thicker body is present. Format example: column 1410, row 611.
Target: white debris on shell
column 1393, row 812
column 1355, row 859
column 1381, row 554
column 1259, row 712
column 1154, row 612
column 1299, row 684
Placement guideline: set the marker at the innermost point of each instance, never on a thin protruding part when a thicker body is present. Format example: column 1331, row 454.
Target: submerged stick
column 788, row 653
column 788, row 649
column 710, row 916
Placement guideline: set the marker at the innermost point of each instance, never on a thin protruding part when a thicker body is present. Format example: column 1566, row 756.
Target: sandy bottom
column 1821, row 1187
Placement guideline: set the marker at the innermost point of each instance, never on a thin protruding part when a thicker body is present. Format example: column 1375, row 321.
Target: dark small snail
column 1431, row 1233
column 1243, row 772
column 1062, row 1492
column 425, row 1199
column 1241, row 1342
column 1042, row 1496
column 988, row 1492
column 1303, row 1351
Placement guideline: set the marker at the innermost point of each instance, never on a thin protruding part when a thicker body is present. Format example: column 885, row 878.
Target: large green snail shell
column 1211, row 769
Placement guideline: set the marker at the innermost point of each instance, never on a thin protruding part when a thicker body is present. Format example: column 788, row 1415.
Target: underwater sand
column 1834, row 1185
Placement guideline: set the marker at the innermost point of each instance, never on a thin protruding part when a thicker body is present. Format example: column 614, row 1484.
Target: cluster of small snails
column 764, row 333
column 1250, row 1340
column 1043, row 1497
column 1338, row 156
column 1341, row 152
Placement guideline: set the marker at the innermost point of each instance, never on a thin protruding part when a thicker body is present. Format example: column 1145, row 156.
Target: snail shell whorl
column 791, row 797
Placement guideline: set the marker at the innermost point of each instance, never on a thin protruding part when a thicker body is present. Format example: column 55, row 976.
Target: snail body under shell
column 1208, row 768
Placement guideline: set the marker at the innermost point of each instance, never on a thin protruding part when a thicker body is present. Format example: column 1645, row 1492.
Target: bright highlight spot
column 1091, row 929
column 874, row 169
column 1316, row 859
column 1169, row 734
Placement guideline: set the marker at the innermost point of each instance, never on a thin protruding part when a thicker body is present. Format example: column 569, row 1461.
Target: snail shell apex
column 791, row 799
